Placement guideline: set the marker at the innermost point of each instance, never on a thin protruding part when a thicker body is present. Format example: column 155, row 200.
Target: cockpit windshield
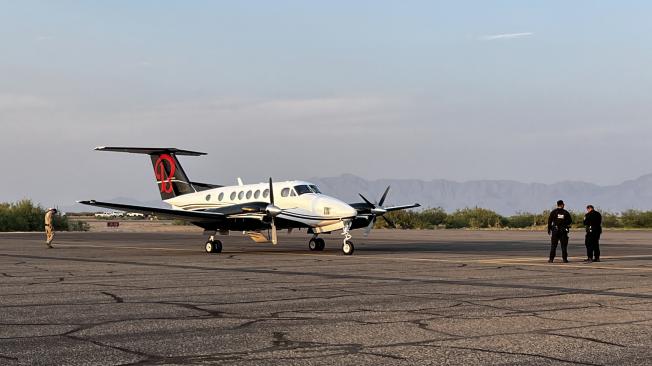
column 303, row 189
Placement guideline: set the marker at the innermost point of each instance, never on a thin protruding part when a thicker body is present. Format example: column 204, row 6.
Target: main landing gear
column 316, row 244
column 213, row 245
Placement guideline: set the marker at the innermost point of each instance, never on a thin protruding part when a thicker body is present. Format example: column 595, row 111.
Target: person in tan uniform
column 49, row 226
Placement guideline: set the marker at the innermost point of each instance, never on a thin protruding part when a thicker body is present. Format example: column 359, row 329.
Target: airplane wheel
column 213, row 246
column 313, row 245
column 217, row 246
column 347, row 247
column 321, row 244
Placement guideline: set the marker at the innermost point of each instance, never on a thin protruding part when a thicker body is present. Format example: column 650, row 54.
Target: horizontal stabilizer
column 149, row 150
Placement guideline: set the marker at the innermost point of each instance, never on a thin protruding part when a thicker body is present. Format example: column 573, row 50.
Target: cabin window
column 208, row 197
column 327, row 210
column 232, row 196
column 285, row 192
column 248, row 194
column 266, row 193
column 240, row 195
column 220, row 196
column 257, row 194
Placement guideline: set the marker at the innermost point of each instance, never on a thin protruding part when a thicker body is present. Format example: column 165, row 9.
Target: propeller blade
column 271, row 191
column 367, row 230
column 274, row 236
column 367, row 201
column 382, row 199
column 389, row 222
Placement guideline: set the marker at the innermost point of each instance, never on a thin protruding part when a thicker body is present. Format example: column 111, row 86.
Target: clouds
column 493, row 37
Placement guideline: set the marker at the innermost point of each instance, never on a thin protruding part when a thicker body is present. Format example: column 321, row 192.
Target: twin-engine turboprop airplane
column 251, row 208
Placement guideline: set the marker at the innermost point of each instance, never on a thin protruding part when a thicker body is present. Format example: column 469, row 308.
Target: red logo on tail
column 161, row 173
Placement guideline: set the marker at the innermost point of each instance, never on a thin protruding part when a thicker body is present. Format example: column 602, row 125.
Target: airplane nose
column 348, row 211
column 334, row 207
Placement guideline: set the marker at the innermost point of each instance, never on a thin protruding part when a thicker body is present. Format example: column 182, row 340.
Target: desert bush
column 25, row 216
column 78, row 226
column 637, row 219
column 475, row 218
column 523, row 220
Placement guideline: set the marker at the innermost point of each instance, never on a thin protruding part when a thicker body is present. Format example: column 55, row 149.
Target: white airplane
column 251, row 208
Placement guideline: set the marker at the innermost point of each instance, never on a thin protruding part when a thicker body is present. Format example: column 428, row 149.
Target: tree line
column 26, row 216
column 480, row 218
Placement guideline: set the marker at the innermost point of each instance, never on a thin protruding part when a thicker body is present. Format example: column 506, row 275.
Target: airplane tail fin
column 170, row 176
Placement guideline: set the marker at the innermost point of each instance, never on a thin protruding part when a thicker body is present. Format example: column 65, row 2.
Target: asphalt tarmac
column 404, row 298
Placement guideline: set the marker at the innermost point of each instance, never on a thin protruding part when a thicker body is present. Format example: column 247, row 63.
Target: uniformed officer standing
column 559, row 224
column 49, row 226
column 593, row 224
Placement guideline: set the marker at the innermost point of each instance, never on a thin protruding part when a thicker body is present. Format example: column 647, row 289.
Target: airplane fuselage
column 299, row 201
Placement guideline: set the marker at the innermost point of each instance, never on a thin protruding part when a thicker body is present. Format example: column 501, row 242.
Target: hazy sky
column 526, row 90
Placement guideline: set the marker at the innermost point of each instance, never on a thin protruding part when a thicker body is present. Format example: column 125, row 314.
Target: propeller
column 377, row 209
column 272, row 211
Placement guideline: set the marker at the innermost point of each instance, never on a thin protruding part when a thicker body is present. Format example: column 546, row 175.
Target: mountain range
column 503, row 196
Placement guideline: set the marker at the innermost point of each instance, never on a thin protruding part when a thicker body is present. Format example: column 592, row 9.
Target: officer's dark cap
column 560, row 203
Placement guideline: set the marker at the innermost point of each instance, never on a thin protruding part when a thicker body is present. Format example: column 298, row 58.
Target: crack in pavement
column 117, row 298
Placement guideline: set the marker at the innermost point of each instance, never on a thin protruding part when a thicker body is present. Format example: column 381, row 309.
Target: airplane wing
column 403, row 207
column 175, row 214
column 211, row 214
column 365, row 208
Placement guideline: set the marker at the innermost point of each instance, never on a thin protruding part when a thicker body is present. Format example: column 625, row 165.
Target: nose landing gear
column 347, row 247
column 347, row 244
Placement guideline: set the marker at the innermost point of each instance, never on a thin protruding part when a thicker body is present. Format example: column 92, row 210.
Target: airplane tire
column 347, row 247
column 217, row 246
column 214, row 246
column 321, row 244
column 313, row 245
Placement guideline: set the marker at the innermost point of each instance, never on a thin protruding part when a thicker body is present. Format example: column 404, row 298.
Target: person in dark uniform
column 593, row 224
column 559, row 223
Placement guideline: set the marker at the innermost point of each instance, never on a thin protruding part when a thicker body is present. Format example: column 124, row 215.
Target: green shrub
column 25, row 216
column 612, row 220
column 78, row 226
column 475, row 218
column 637, row 219
column 523, row 220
